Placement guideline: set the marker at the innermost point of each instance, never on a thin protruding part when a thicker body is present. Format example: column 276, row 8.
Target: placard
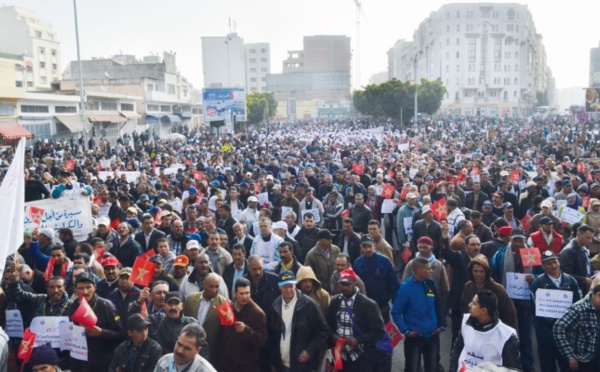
column 47, row 329
column 560, row 203
column 79, row 347
column 66, row 336
column 263, row 198
column 408, row 225
column 517, row 287
column 552, row 303
column 75, row 214
column 14, row 324
column 285, row 211
column 388, row 206
column 132, row 176
column 314, row 211
column 571, row 216
column 177, row 205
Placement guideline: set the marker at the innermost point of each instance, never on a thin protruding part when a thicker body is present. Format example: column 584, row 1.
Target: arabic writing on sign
column 517, row 287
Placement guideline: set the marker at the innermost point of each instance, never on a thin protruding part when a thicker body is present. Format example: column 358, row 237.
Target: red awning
column 12, row 130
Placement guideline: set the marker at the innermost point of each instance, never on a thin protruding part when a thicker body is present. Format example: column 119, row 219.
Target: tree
column 260, row 106
column 395, row 99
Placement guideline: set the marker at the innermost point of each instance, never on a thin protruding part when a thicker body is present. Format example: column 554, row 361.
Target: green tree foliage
column 386, row 100
column 260, row 106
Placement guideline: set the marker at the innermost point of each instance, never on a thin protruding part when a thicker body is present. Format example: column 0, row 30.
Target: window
column 263, row 69
column 447, row 68
column 516, row 68
column 171, row 88
column 252, row 60
column 252, row 69
column 458, row 14
column 43, row 79
column 447, row 42
column 516, row 55
column 497, row 50
column 447, row 55
column 457, row 68
column 457, row 54
column 196, row 111
column 51, row 36
column 472, row 47
column 34, row 109
column 42, row 64
column 485, row 13
column 263, row 79
column 515, row 94
column 38, row 34
column 108, row 106
column 65, row 109
column 263, row 50
column 30, row 84
column 53, row 52
column 458, row 27
column 510, row 27
column 126, row 106
column 149, row 87
column 19, row 83
column 457, row 41
column 6, row 109
column 38, row 130
column 516, row 81
column 471, row 67
column 253, row 80
column 54, row 67
column 447, row 28
column 264, row 60
column 165, row 108
column 42, row 50
column 252, row 51
column 153, row 108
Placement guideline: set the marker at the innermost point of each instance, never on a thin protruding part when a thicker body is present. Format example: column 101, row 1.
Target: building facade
column 595, row 67
column 489, row 57
column 258, row 65
column 35, row 41
column 224, row 61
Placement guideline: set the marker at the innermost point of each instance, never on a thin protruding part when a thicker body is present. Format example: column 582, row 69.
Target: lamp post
column 81, row 93
column 416, row 117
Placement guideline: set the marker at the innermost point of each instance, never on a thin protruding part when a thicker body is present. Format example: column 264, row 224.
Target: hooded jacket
column 593, row 218
column 317, row 292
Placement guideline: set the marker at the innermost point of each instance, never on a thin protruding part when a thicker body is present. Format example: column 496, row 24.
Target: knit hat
column 44, row 354
column 425, row 240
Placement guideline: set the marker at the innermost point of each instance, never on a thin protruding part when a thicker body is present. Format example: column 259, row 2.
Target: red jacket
column 540, row 242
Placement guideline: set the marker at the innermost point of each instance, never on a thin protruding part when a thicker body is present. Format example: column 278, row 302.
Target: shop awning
column 131, row 115
column 13, row 130
column 173, row 119
column 106, row 118
column 72, row 122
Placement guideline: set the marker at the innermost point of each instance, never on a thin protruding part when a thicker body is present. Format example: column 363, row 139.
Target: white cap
column 192, row 244
column 425, row 209
column 253, row 199
column 279, row 225
column 504, row 173
column 104, row 221
column 48, row 232
column 411, row 195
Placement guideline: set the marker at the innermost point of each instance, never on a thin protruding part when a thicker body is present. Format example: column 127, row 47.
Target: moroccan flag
column 391, row 174
column 157, row 217
column 403, row 193
column 388, row 191
column 99, row 253
column 395, row 335
column 98, row 200
column 530, row 256
column 142, row 271
column 337, row 354
column 358, row 169
column 49, row 268
column 226, row 314
column 524, row 222
column 144, row 310
column 256, row 188
column 26, row 347
column 70, row 165
column 406, row 254
column 115, row 223
column 36, row 214
column 439, row 209
column 586, row 202
column 515, row 177
column 345, row 214
column 84, row 314
column 580, row 167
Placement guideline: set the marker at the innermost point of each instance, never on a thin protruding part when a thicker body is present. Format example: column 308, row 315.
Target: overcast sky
column 141, row 27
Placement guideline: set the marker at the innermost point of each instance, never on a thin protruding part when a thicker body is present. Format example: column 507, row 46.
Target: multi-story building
column 224, row 61
column 24, row 34
column 258, row 65
column 167, row 101
column 318, row 76
column 595, row 67
column 488, row 56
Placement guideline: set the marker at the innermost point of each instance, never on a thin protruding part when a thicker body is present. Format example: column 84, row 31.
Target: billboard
column 592, row 100
column 224, row 104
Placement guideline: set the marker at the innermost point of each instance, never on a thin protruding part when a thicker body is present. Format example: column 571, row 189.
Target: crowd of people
column 326, row 238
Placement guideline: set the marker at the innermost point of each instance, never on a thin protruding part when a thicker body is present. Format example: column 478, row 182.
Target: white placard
column 560, row 203
column 237, row 214
column 571, row 216
column 79, row 348
column 403, row 146
column 408, row 225
column 131, row 176
column 285, row 211
column 47, row 329
column 517, row 287
column 103, row 210
column 388, row 206
column 14, row 323
column 475, row 178
column 105, row 163
column 314, row 211
column 263, row 198
column 66, row 336
column 552, row 303
column 75, row 214
column 177, row 205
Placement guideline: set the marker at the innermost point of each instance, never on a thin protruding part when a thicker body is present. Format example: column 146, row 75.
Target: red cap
column 110, row 261
column 425, row 240
column 505, row 231
column 347, row 275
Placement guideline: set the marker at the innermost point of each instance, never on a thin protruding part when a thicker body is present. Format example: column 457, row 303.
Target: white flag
column 12, row 205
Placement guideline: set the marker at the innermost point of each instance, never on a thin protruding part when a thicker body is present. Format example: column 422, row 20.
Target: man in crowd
column 139, row 352
column 186, row 352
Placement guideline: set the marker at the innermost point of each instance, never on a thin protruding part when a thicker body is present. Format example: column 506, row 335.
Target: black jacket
column 368, row 320
column 459, row 262
column 309, row 333
column 511, row 356
column 228, row 274
column 128, row 252
column 353, row 245
column 490, row 248
column 434, row 231
column 266, row 291
column 247, row 243
column 148, row 355
column 70, row 248
column 572, row 263
column 154, row 236
column 35, row 190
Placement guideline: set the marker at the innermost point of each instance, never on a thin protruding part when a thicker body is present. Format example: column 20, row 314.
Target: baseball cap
column 157, row 259
column 287, row 277
column 507, row 205
column 253, row 199
column 137, row 322
column 325, row 234
column 132, row 210
column 84, row 277
column 279, row 225
column 504, row 231
column 110, row 261
column 487, row 204
column 547, row 203
column 125, row 271
column 192, row 244
column 104, row 221
column 366, row 240
column 411, row 195
column 517, row 233
column 548, row 255
column 173, row 296
column 182, row 260
column 546, row 221
column 425, row 209
column 504, row 174
column 347, row 276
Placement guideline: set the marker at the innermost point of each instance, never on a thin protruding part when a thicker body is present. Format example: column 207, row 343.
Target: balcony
column 155, row 96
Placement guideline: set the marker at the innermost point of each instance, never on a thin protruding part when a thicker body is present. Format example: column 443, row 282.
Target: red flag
column 588, row 177
column 226, row 314
column 524, row 222
column 403, row 193
column 143, row 270
column 115, row 223
column 157, row 217
column 391, row 174
column 99, row 253
column 463, row 367
column 70, row 165
column 586, row 202
column 98, row 200
column 475, row 171
column 84, row 314
column 36, row 214
column 197, row 175
column 395, row 335
column 49, row 268
column 337, row 353
column 26, row 347
column 439, row 209
column 515, row 177
column 406, row 254
column 144, row 310
column 388, row 191
column 256, row 188
column 358, row 169
column 345, row 214
column 580, row 167
column 530, row 256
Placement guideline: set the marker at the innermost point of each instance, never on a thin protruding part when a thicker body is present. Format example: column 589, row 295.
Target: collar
column 287, row 267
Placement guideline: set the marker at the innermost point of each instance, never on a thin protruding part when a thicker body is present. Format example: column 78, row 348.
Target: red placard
column 440, row 209
column 388, row 191
column 142, row 271
column 358, row 169
column 226, row 314
column 36, row 214
column 530, row 256
column 26, row 346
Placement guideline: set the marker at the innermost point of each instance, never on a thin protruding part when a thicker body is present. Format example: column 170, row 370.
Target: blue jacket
column 418, row 307
column 379, row 277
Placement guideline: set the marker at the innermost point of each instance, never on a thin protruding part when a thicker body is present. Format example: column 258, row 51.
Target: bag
column 384, row 345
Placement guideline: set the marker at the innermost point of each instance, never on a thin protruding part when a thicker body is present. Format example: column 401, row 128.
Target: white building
column 224, row 61
column 258, row 65
column 23, row 33
column 488, row 56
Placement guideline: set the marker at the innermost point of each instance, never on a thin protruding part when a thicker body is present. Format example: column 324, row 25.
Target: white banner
column 131, row 176
column 14, row 323
column 571, row 216
column 263, row 198
column 79, row 348
column 408, row 225
column 552, row 303
column 285, row 211
column 517, row 287
column 12, row 200
column 75, row 214
column 47, row 329
column 105, row 163
column 388, row 206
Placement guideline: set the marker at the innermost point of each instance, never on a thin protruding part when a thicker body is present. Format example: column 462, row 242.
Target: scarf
column 431, row 258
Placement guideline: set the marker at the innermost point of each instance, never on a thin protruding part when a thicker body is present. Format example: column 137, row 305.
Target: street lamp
column 81, row 93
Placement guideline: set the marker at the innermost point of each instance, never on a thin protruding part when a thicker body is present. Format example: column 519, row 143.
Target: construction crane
column 359, row 14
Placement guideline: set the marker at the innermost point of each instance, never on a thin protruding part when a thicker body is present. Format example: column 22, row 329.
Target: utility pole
column 81, row 93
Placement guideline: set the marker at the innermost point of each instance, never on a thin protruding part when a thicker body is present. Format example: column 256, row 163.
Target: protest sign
column 79, row 347
column 47, row 329
column 314, row 211
column 284, row 212
column 74, row 214
column 388, row 206
column 408, row 225
column 517, row 287
column 571, row 216
column 552, row 303
column 131, row 176
column 530, row 256
column 263, row 198
column 14, row 323
column 66, row 335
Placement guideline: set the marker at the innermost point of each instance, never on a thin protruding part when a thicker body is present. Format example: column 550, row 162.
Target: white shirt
column 203, row 309
column 287, row 314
